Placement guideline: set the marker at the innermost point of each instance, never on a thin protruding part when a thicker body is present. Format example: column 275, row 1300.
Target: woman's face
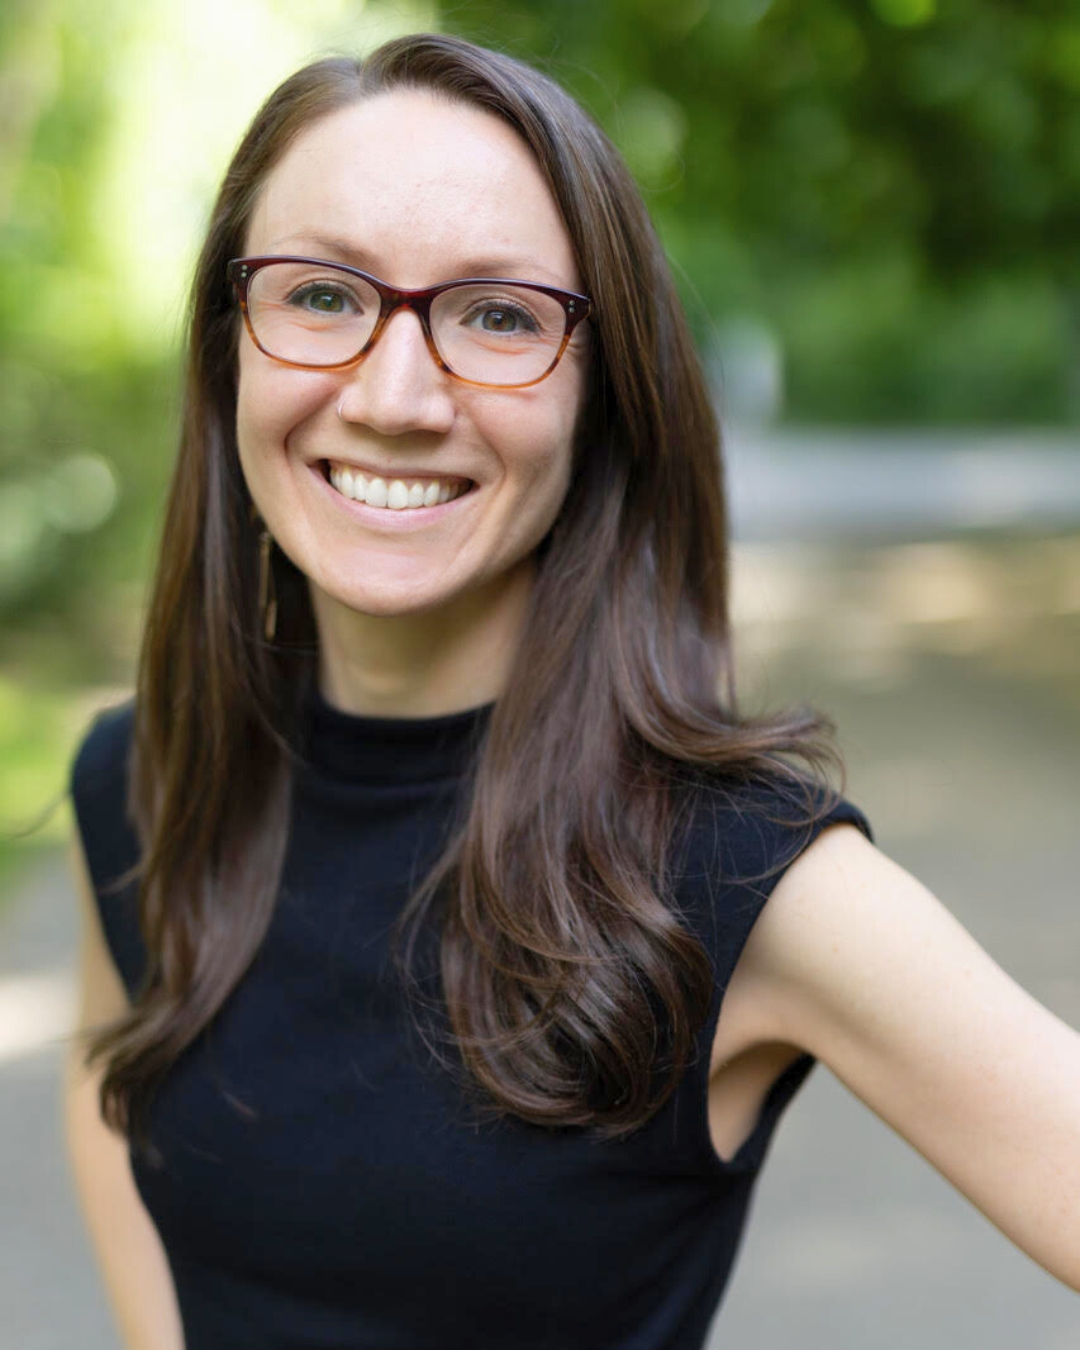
column 415, row 190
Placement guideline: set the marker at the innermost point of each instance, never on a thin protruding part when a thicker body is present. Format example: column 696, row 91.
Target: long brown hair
column 571, row 989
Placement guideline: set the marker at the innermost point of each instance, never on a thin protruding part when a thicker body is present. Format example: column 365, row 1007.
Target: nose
column 397, row 387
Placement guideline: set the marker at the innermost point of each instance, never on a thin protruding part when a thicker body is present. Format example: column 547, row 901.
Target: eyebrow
column 336, row 249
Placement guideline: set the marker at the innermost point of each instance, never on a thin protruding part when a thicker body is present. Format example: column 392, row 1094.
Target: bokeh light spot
column 653, row 127
column 79, row 494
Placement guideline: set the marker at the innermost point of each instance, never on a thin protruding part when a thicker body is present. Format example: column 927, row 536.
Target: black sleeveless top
column 320, row 1185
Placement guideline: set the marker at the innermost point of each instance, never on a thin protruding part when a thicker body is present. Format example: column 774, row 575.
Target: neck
column 422, row 664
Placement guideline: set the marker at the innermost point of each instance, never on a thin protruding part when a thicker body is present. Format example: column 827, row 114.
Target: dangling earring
column 267, row 592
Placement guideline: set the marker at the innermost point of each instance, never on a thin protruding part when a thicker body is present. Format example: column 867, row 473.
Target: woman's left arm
column 854, row 960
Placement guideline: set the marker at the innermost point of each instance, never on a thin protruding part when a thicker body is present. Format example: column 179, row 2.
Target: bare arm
column 856, row 961
column 126, row 1243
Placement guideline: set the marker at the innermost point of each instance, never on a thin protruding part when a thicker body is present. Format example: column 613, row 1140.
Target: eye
column 322, row 298
column 501, row 318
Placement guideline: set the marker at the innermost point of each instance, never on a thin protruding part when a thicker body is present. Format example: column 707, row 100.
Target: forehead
column 418, row 188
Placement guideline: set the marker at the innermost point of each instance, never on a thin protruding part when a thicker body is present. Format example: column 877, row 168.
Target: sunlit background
column 873, row 211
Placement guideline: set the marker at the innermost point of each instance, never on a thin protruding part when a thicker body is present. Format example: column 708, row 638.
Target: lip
column 384, row 518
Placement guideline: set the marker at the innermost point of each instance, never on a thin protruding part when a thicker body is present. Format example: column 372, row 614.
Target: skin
column 415, row 190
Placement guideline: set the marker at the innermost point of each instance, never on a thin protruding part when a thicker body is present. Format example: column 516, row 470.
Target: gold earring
column 267, row 593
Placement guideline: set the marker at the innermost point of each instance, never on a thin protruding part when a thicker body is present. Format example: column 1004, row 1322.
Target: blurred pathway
column 816, row 483
column 49, row 1288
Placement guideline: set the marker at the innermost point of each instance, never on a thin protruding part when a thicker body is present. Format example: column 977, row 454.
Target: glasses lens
column 497, row 334
column 311, row 313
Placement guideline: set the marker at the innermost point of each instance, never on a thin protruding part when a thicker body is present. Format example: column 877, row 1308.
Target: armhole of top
column 750, row 1154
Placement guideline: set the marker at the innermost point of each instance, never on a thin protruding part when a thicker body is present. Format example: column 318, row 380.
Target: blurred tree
column 73, row 402
column 883, row 164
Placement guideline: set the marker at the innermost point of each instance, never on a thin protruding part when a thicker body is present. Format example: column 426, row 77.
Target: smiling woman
column 433, row 993
column 417, row 186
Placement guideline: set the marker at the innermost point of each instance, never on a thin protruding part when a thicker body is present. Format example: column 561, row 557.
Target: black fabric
column 322, row 1184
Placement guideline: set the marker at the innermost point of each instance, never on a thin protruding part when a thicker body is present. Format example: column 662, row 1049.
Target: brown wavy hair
column 570, row 991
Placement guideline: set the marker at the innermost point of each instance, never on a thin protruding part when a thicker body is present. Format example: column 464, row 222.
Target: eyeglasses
column 317, row 315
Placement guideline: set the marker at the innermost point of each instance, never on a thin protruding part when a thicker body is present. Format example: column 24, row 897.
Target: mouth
column 407, row 493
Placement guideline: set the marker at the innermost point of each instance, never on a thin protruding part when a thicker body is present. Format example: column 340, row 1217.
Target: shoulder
column 101, row 757
column 99, row 792
column 749, row 832
column 741, row 838
column 846, row 930
column 107, row 839
column 799, row 958
column 840, row 883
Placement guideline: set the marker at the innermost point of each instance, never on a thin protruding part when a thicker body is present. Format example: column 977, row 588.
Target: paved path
column 817, row 483
column 968, row 767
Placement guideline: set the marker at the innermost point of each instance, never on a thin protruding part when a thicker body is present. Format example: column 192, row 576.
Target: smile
column 395, row 494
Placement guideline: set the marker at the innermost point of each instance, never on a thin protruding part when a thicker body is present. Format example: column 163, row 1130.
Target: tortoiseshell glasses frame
column 242, row 271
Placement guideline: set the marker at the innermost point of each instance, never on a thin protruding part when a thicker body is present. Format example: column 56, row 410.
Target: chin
column 389, row 599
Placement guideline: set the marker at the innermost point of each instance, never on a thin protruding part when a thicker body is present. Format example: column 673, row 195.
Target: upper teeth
column 397, row 493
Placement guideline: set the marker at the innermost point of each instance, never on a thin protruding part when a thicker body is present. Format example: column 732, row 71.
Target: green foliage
column 794, row 150
column 37, row 728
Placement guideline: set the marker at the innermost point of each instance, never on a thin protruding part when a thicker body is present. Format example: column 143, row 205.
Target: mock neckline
column 364, row 749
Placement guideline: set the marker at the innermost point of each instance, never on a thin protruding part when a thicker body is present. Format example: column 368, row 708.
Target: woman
column 435, row 733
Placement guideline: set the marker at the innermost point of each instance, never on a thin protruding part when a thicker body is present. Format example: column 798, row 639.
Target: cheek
column 535, row 436
column 537, row 454
column 258, row 416
column 270, row 402
column 565, row 439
